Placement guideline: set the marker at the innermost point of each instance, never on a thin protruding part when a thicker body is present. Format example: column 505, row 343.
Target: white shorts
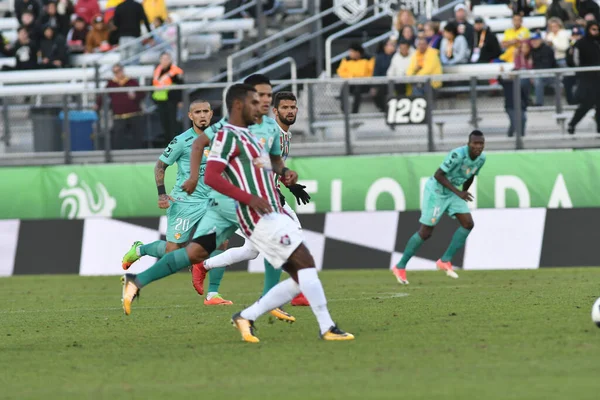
column 288, row 210
column 277, row 236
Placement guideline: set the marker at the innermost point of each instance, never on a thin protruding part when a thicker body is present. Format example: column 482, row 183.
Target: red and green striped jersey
column 285, row 139
column 248, row 166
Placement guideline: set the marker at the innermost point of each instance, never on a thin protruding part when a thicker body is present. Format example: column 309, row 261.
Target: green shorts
column 220, row 218
column 436, row 204
column 182, row 219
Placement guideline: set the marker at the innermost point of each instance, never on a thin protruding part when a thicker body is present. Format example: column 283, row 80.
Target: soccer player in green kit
column 184, row 211
column 442, row 195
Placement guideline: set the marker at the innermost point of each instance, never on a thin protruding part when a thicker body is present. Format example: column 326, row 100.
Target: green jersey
column 267, row 133
column 179, row 151
column 459, row 168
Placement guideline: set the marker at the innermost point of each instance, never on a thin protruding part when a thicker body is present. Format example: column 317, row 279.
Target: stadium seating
column 492, row 11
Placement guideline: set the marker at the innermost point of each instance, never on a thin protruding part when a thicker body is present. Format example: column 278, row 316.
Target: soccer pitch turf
column 488, row 335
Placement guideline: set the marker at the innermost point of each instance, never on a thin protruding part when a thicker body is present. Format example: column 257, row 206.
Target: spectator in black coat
column 587, row 54
column 464, row 27
column 486, row 47
column 77, row 35
column 383, row 59
column 27, row 5
column 129, row 15
column 585, row 7
column 24, row 50
column 509, row 103
column 33, row 28
column 569, row 81
column 53, row 49
column 543, row 58
column 60, row 22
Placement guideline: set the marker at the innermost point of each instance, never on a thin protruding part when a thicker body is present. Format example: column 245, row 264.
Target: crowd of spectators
column 50, row 30
column 418, row 46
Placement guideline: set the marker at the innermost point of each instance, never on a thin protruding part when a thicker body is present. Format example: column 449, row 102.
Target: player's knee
column 469, row 225
column 425, row 233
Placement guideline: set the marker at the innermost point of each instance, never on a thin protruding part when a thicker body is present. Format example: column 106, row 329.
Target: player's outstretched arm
column 288, row 177
column 159, row 177
column 440, row 176
column 198, row 146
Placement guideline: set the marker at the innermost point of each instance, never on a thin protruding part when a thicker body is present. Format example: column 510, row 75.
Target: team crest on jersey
column 206, row 152
column 263, row 141
column 177, row 236
column 433, row 220
column 285, row 240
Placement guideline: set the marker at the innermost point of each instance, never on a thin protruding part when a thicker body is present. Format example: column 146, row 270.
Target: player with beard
column 285, row 110
column 184, row 211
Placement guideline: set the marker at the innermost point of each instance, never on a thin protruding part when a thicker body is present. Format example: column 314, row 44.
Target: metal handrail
column 283, row 61
column 261, row 44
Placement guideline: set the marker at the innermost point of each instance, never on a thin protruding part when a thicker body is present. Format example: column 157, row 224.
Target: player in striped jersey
column 285, row 110
column 249, row 180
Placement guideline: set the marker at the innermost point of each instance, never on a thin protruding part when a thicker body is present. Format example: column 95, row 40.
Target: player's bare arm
column 440, row 176
column 198, row 146
column 468, row 183
column 159, row 177
column 289, row 177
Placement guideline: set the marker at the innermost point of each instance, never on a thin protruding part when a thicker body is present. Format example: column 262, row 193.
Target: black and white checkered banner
column 502, row 239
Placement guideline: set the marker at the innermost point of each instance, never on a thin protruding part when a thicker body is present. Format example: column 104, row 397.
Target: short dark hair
column 477, row 133
column 198, row 101
column 239, row 91
column 257, row 79
column 283, row 96
column 451, row 27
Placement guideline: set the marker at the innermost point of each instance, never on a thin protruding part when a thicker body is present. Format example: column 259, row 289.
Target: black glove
column 300, row 193
column 281, row 197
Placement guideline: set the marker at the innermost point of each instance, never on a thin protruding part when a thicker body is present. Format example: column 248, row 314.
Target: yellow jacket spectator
column 513, row 37
column 425, row 61
column 155, row 8
column 356, row 65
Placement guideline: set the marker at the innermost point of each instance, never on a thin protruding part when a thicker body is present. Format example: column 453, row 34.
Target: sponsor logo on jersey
column 285, row 240
column 79, row 200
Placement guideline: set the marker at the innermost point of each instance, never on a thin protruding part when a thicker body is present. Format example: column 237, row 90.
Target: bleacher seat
column 476, row 69
column 492, row 11
column 502, row 24
column 70, row 75
column 180, row 3
column 218, row 26
column 500, row 36
column 199, row 13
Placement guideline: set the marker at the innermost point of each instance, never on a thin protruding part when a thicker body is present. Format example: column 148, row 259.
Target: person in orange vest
column 168, row 101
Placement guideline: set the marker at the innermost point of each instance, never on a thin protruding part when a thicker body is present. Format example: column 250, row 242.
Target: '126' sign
column 407, row 111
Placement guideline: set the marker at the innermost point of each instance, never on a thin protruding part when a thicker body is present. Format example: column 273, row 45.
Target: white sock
column 311, row 287
column 232, row 256
column 279, row 295
column 137, row 251
column 210, row 295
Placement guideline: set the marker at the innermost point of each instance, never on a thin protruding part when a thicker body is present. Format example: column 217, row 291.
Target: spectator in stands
column 404, row 18
column 585, row 7
column 521, row 7
column 33, row 28
column 541, row 7
column 569, row 81
column 129, row 15
column 432, row 34
column 76, row 38
column 512, row 37
column 87, row 9
column 383, row 60
column 168, row 101
column 454, row 48
column 128, row 130
column 60, row 23
column 155, row 9
column 587, row 54
column 97, row 38
column 425, row 61
column 562, row 10
column 53, row 49
column 543, row 58
column 523, row 58
column 558, row 39
column 65, row 9
column 486, row 46
column 408, row 34
column 33, row 6
column 24, row 50
column 356, row 65
column 400, row 63
column 464, row 28
column 509, row 102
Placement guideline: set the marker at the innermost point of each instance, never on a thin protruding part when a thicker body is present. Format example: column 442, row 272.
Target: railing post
column 390, row 95
column 66, row 129
column 6, row 119
column 179, row 61
column 261, row 20
column 311, row 106
column 473, row 92
column 106, row 124
column 316, row 47
column 557, row 92
column 518, row 120
column 346, row 108
column 429, row 98
column 186, row 106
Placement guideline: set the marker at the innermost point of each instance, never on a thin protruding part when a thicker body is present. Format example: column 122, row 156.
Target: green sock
column 168, row 265
column 215, row 275
column 156, row 249
column 458, row 241
column 272, row 276
column 411, row 248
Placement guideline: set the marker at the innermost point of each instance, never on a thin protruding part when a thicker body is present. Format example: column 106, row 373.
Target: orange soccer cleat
column 217, row 300
column 446, row 266
column 400, row 275
column 198, row 276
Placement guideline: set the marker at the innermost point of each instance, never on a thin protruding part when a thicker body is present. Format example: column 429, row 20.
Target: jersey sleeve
column 451, row 161
column 172, row 152
column 212, row 130
column 276, row 146
column 223, row 146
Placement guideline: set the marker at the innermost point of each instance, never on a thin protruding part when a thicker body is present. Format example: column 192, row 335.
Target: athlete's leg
column 460, row 236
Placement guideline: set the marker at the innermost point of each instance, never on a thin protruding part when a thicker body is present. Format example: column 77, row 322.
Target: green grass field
column 488, row 335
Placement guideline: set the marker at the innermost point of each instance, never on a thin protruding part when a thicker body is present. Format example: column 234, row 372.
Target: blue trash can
column 82, row 129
